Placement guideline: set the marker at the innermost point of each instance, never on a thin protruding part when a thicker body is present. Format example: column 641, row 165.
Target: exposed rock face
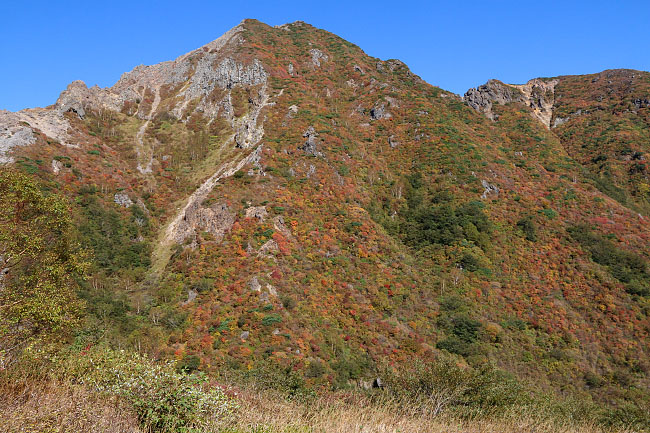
column 12, row 136
column 278, row 224
column 482, row 97
column 317, row 56
column 191, row 296
column 379, row 112
column 249, row 131
column 227, row 74
column 216, row 220
column 310, row 146
column 50, row 121
column 537, row 94
column 205, row 68
column 258, row 212
column 57, row 166
column 255, row 285
column 123, row 199
column 269, row 247
column 489, row 189
column 77, row 97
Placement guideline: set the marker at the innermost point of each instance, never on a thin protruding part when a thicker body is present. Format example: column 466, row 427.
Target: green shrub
column 164, row 399
column 627, row 267
column 442, row 385
column 469, row 261
column 188, row 364
column 271, row 319
column 527, row 226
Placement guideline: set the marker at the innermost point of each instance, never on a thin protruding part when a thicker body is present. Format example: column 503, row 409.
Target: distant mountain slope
column 279, row 197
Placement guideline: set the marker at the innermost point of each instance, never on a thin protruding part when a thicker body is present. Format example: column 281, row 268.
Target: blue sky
column 454, row 44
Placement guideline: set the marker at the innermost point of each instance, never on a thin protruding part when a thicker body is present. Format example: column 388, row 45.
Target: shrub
column 443, row 385
column 188, row 364
column 163, row 399
column 527, row 226
column 271, row 319
column 627, row 267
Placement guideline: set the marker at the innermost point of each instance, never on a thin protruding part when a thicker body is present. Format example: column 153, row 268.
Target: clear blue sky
column 453, row 44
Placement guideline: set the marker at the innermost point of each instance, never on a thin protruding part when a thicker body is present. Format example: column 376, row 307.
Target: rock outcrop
column 12, row 136
column 310, row 146
column 537, row 94
column 122, row 199
column 317, row 56
column 206, row 68
column 216, row 220
column 379, row 112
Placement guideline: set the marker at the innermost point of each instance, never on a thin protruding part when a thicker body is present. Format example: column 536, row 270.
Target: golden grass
column 35, row 406
column 260, row 412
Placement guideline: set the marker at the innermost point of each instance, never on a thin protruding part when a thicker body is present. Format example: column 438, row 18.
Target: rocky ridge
column 537, row 94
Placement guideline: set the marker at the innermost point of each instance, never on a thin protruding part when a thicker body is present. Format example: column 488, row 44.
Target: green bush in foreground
column 164, row 399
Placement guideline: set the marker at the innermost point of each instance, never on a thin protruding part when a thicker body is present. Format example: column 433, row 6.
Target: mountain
column 601, row 120
column 278, row 197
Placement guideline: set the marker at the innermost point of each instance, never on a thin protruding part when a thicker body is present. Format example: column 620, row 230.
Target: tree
column 39, row 263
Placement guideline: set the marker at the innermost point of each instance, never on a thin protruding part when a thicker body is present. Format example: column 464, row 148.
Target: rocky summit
column 279, row 198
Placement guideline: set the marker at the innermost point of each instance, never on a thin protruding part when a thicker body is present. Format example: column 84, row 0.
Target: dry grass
column 261, row 412
column 34, row 406
column 63, row 407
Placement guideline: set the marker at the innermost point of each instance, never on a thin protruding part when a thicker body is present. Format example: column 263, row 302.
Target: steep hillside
column 278, row 197
column 601, row 120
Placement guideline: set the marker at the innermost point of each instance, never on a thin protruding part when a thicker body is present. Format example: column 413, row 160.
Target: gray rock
column 244, row 335
column 279, row 225
column 317, row 56
column 191, row 296
column 379, row 112
column 489, row 189
column 14, row 136
column 122, row 199
column 538, row 95
column 74, row 98
column 57, row 166
column 392, row 142
column 560, row 121
column 269, row 247
column 365, row 384
column 216, row 219
column 310, row 146
column 258, row 212
column 255, row 285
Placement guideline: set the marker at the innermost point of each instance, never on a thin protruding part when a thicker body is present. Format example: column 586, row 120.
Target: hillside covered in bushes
column 278, row 219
